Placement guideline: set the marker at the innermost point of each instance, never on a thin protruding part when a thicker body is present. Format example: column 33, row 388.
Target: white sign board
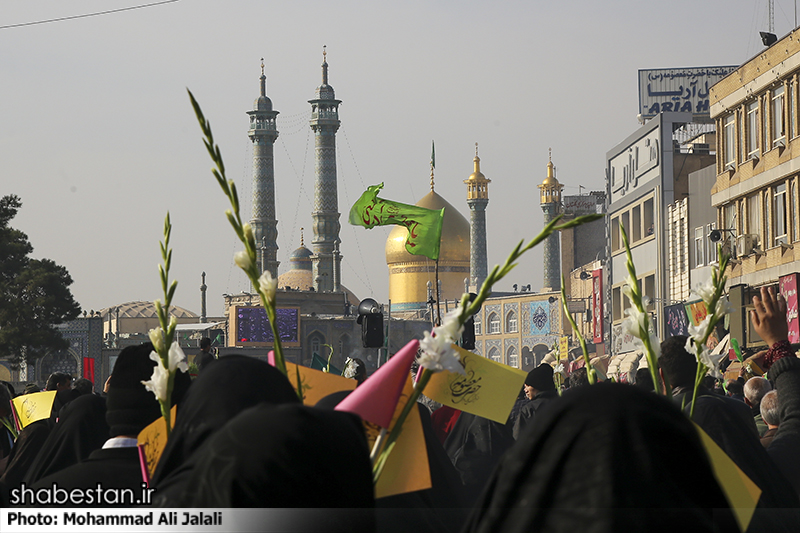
column 579, row 205
column 678, row 89
column 628, row 169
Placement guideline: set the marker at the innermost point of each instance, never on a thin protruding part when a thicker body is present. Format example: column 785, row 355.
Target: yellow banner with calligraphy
column 488, row 389
column 151, row 441
column 740, row 490
column 563, row 347
column 407, row 468
column 317, row 384
column 32, row 407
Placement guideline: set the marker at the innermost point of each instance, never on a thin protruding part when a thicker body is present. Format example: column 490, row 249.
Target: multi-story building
column 645, row 174
column 756, row 188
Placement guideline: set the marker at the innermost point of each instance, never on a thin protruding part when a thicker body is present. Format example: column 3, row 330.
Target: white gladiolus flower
column 451, row 328
column 559, row 368
column 705, row 291
column 159, row 381
column 177, row 359
column 157, row 338
column 723, row 307
column 438, row 354
column 711, row 361
column 269, row 285
column 242, row 260
column 634, row 323
column 699, row 331
column 247, row 229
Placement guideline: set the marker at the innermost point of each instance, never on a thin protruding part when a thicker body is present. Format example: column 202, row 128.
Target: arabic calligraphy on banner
column 788, row 288
column 487, row 389
column 678, row 89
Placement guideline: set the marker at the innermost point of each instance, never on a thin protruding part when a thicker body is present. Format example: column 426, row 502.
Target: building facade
column 645, row 173
column 756, row 189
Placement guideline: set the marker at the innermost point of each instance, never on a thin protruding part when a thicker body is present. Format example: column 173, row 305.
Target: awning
column 200, row 327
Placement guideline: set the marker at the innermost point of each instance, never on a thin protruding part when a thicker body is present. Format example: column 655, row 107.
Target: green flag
column 424, row 225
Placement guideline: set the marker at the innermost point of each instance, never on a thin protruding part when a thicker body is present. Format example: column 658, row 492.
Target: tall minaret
column 550, row 191
column 477, row 199
column 326, row 261
column 263, row 134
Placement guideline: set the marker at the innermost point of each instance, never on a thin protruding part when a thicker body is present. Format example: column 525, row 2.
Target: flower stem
column 377, row 468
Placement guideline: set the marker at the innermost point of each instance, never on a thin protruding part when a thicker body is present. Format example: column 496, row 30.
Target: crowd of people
column 603, row 457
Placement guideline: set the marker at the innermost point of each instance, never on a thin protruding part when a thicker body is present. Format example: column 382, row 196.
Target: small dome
column 145, row 310
column 550, row 180
column 455, row 235
column 477, row 175
column 300, row 254
column 262, row 103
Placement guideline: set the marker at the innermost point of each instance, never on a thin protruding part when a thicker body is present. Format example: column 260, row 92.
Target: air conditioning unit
column 746, row 244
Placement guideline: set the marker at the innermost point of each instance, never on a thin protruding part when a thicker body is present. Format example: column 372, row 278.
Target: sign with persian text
column 579, row 205
column 679, row 89
column 632, row 167
column 788, row 288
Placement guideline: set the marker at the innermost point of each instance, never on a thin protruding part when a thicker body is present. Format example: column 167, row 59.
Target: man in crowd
column 770, row 413
column 754, row 391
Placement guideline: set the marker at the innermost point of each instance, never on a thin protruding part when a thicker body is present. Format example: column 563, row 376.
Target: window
column 626, row 224
column 650, row 290
column 494, row 324
column 699, row 247
column 752, row 130
column 494, row 355
column 616, row 298
column 712, row 250
column 792, row 116
column 648, row 217
column 316, row 344
column 615, row 239
column 793, row 201
column 636, row 223
column 511, row 322
column 777, row 116
column 742, row 129
column 764, row 123
column 512, row 357
column 779, row 213
column 754, row 214
column 729, row 141
column 478, row 325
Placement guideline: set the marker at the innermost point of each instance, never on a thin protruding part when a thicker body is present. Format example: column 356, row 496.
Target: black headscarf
column 26, row 448
column 81, row 429
column 608, row 457
column 231, row 385
column 289, row 456
column 474, row 446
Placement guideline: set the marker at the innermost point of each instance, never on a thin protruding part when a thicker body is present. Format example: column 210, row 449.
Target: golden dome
column 455, row 235
column 550, row 180
column 477, row 175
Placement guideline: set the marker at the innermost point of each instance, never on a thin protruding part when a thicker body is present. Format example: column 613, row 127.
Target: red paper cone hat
column 375, row 400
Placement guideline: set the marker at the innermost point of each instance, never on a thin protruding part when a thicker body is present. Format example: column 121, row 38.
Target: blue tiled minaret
column 263, row 133
column 550, row 200
column 477, row 199
column 326, row 261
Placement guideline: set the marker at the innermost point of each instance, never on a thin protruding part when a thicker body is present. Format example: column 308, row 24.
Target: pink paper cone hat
column 375, row 400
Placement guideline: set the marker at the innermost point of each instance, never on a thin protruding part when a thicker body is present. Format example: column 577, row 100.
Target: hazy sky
column 98, row 138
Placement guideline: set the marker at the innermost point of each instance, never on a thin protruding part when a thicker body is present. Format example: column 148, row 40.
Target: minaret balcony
column 325, row 115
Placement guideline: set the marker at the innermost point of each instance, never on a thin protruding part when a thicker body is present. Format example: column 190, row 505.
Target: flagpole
column 438, row 296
